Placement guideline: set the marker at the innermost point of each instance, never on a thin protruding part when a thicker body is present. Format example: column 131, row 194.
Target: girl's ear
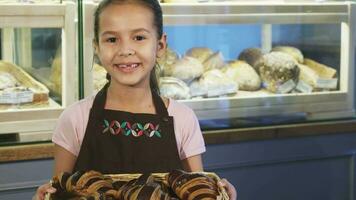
column 162, row 45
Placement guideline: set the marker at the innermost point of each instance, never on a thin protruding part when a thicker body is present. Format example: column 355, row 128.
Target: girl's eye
column 111, row 40
column 139, row 37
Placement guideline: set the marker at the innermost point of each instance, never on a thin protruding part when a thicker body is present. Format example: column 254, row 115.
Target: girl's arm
column 193, row 164
column 63, row 160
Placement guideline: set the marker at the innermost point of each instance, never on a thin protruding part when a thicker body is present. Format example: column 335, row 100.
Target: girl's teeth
column 127, row 66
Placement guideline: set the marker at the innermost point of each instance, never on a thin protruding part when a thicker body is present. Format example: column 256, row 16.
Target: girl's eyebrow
column 132, row 31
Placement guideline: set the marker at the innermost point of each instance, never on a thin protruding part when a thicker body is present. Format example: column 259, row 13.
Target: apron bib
column 124, row 142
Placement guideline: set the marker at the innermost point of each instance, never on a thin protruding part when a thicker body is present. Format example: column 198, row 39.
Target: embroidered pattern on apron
column 137, row 129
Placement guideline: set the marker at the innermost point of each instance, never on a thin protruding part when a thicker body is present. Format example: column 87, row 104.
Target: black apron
column 124, row 142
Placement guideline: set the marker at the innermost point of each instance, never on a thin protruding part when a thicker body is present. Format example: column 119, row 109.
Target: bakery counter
column 44, row 150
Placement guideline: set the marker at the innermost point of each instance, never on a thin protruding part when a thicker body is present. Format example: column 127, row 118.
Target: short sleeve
column 67, row 130
column 187, row 129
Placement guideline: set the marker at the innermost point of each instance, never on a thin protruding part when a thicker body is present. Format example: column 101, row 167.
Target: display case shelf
column 19, row 24
column 267, row 18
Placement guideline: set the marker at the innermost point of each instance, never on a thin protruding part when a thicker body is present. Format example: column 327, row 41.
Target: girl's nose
column 126, row 52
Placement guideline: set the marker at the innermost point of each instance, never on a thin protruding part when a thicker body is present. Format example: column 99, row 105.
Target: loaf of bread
column 243, row 74
column 99, row 77
column 276, row 69
column 253, row 56
column 322, row 70
column 215, row 61
column 292, row 51
column 216, row 83
column 166, row 61
column 308, row 75
column 200, row 53
column 186, row 69
column 174, row 88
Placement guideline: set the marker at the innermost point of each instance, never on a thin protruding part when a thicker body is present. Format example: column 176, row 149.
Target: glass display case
column 252, row 62
column 38, row 67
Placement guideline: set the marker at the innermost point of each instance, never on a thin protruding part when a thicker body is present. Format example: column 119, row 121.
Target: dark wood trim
column 45, row 150
column 26, row 152
column 281, row 131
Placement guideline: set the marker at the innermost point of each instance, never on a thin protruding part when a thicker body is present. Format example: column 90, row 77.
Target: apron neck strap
column 100, row 100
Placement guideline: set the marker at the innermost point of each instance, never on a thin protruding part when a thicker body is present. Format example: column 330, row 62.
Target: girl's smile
column 127, row 67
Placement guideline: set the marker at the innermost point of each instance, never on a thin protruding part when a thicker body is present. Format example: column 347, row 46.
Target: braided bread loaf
column 192, row 186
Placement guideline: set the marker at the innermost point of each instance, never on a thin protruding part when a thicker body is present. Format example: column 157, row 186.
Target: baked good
column 174, row 88
column 276, row 69
column 99, row 77
column 196, row 89
column 7, row 81
column 215, row 61
column 243, row 74
column 308, row 75
column 166, row 61
column 322, row 70
column 186, row 69
column 253, row 56
column 192, row 185
column 200, row 53
column 216, row 83
column 94, row 185
column 292, row 51
column 18, row 87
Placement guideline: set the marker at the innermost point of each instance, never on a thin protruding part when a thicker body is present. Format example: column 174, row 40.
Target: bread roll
column 253, row 56
column 200, row 53
column 243, row 74
column 174, row 88
column 292, row 51
column 276, row 69
column 322, row 70
column 186, row 69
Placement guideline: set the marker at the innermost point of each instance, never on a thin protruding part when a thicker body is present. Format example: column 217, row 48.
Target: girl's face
column 128, row 44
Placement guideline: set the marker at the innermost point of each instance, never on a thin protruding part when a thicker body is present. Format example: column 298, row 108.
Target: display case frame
column 38, row 123
column 312, row 106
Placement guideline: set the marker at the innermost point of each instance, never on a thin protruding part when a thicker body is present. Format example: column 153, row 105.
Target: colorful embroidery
column 136, row 129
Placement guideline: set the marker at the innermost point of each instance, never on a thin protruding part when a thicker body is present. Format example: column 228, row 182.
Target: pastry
column 253, row 56
column 276, row 69
column 192, row 185
column 186, row 69
column 243, row 74
column 292, row 51
column 322, row 70
column 200, row 53
column 174, row 88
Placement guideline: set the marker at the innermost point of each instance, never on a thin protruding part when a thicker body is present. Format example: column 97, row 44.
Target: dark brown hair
column 156, row 9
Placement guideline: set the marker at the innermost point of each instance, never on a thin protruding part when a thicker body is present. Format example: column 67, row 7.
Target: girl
column 127, row 127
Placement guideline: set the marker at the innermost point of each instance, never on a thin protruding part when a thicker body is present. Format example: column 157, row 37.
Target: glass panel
column 30, row 68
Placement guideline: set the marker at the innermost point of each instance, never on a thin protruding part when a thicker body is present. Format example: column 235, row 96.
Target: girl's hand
column 42, row 190
column 230, row 189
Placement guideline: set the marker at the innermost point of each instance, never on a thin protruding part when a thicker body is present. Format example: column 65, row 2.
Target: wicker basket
column 40, row 92
column 161, row 177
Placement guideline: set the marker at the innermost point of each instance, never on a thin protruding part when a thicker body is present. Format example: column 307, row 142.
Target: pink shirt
column 71, row 126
